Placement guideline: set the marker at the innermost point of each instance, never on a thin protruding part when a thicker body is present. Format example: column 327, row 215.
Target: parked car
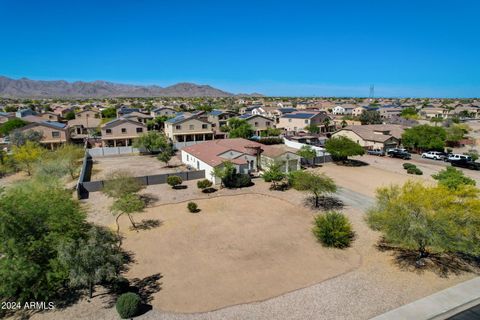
column 465, row 163
column 399, row 153
column 456, row 156
column 376, row 152
column 435, row 155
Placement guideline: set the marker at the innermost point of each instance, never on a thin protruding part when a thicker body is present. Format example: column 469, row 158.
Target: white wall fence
column 113, row 151
column 322, row 155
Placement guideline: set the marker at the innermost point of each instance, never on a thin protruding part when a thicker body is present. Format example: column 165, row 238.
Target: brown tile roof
column 367, row 132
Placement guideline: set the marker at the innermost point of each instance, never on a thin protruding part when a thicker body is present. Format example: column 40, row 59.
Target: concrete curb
column 439, row 306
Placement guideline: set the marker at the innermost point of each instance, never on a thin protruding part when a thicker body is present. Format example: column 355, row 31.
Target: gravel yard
column 377, row 284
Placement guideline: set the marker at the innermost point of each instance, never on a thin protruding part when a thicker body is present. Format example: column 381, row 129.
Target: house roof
column 210, row 151
column 373, row 132
column 274, row 151
column 50, row 124
column 286, row 110
column 118, row 121
column 300, row 115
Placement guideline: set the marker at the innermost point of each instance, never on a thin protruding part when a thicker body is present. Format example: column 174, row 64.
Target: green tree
column 127, row 204
column 71, row 155
column 424, row 137
column 92, row 260
column 428, row 219
column 25, row 156
column 70, row 115
column 11, row 125
column 224, row 172
column 19, row 138
column 316, row 184
column 313, row 128
column 333, row 229
column 342, row 147
column 174, row 181
column 453, row 178
column 370, row 117
column 307, row 153
column 121, row 183
column 166, row 155
column 35, row 218
column 151, row 141
column 239, row 128
column 274, row 174
column 109, row 113
column 409, row 113
column 436, row 120
column 456, row 132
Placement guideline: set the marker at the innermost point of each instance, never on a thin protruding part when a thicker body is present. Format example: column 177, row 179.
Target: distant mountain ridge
column 27, row 88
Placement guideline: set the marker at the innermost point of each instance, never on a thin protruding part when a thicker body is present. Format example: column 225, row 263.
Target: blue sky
column 322, row 48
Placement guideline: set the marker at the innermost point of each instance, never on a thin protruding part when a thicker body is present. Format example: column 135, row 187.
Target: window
column 188, row 159
column 178, row 127
column 191, row 127
column 108, row 131
column 306, row 121
column 139, row 130
column 55, row 134
column 204, row 126
column 256, row 124
column 267, row 123
column 124, row 130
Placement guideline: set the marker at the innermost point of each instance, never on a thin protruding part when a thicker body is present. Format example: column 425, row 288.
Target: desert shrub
column 270, row 140
column 407, row 166
column 333, row 229
column 192, row 207
column 204, row 184
column 174, row 181
column 415, row 171
column 128, row 305
column 120, row 285
column 239, row 180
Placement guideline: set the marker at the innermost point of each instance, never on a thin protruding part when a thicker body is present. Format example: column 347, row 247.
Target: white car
column 456, row 157
column 435, row 155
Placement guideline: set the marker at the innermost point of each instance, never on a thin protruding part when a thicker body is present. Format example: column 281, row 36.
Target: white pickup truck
column 435, row 155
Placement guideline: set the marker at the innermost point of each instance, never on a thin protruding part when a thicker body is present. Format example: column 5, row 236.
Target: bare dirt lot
column 229, row 254
column 138, row 165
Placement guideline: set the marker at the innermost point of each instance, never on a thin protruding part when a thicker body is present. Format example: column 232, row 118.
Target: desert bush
column 128, row 305
column 333, row 229
column 239, row 180
column 415, row 171
column 192, row 207
column 174, row 181
column 407, row 166
column 204, row 184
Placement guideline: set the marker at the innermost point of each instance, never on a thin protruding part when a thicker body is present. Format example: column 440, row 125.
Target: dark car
column 465, row 163
column 399, row 153
column 376, row 152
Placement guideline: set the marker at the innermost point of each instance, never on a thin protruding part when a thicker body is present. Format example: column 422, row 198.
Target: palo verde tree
column 342, row 147
column 151, row 141
column 128, row 204
column 307, row 153
column 166, row 155
column 428, row 219
column 26, row 155
column 370, row 117
column 274, row 174
column 316, row 184
column 93, row 259
column 11, row 125
column 239, row 128
column 453, row 178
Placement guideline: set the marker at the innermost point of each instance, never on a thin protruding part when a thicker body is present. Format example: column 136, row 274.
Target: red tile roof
column 209, row 151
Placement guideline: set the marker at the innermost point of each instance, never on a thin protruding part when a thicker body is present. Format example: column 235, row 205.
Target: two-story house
column 84, row 125
column 184, row 130
column 53, row 133
column 259, row 123
column 121, row 132
column 297, row 121
column 219, row 118
column 163, row 111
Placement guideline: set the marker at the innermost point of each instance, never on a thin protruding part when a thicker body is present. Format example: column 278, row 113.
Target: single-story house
column 247, row 156
column 375, row 136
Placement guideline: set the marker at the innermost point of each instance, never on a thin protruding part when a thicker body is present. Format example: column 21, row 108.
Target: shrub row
column 412, row 169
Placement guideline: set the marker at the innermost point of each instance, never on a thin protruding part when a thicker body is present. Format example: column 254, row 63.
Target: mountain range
column 27, row 88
